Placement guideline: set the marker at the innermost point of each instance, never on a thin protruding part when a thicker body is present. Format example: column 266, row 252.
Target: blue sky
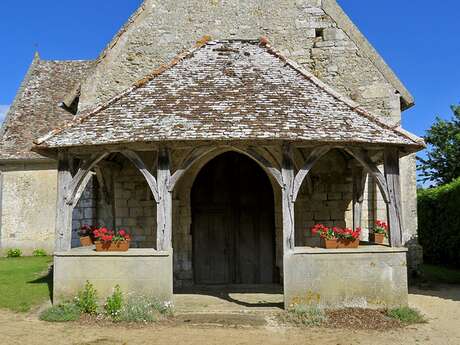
column 419, row 40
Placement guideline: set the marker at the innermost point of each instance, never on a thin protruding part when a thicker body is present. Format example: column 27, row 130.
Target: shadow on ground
column 46, row 278
column 230, row 297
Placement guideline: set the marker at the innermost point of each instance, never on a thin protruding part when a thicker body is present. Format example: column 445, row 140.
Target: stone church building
column 218, row 133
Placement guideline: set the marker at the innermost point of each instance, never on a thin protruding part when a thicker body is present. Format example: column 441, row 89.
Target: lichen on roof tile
column 227, row 90
column 35, row 110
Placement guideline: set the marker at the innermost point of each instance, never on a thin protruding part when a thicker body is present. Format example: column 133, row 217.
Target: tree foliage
column 442, row 164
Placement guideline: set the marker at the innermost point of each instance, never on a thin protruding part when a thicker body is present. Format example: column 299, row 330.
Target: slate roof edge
column 264, row 42
column 352, row 104
column 19, row 93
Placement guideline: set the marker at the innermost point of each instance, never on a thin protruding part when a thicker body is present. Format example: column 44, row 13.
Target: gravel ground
column 441, row 306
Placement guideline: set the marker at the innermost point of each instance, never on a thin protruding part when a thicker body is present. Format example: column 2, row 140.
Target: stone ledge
column 90, row 251
column 363, row 249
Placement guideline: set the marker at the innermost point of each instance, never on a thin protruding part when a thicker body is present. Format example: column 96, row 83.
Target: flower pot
column 377, row 238
column 329, row 244
column 86, row 241
column 340, row 243
column 348, row 243
column 119, row 246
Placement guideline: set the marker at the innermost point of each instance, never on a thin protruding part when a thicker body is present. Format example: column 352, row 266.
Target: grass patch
column 406, row 315
column 61, row 313
column 440, row 274
column 303, row 315
column 24, row 282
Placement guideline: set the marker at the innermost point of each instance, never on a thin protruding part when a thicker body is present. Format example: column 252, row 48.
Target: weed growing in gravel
column 306, row 315
column 144, row 309
column 407, row 315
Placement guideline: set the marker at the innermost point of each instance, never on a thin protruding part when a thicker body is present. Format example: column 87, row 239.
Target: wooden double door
column 233, row 226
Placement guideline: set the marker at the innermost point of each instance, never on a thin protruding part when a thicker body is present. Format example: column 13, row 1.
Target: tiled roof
column 35, row 110
column 228, row 90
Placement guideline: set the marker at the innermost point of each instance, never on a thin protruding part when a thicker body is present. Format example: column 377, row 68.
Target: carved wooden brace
column 254, row 153
column 139, row 164
column 362, row 157
column 80, row 178
column 312, row 159
column 195, row 155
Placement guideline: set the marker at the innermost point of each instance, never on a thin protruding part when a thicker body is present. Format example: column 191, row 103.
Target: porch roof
column 229, row 90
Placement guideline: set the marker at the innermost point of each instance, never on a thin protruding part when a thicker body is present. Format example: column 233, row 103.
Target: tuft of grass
column 440, row 274
column 39, row 252
column 144, row 309
column 64, row 312
column 306, row 315
column 406, row 315
column 14, row 253
column 24, row 282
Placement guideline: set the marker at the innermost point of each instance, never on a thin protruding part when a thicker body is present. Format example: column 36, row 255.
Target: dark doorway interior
column 233, row 225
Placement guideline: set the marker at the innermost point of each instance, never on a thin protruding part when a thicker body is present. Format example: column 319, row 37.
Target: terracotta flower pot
column 86, row 241
column 334, row 244
column 329, row 244
column 348, row 243
column 120, row 246
column 377, row 238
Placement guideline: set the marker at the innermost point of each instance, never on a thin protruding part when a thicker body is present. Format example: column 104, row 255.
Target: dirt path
column 441, row 306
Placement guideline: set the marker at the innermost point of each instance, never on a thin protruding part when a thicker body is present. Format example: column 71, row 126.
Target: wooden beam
column 359, row 185
column 80, row 176
column 394, row 188
column 314, row 156
column 139, row 164
column 63, row 231
column 195, row 155
column 164, row 207
column 362, row 157
column 287, row 171
column 254, row 153
column 103, row 185
column 83, row 185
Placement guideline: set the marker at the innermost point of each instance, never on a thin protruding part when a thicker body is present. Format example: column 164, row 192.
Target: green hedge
column 439, row 223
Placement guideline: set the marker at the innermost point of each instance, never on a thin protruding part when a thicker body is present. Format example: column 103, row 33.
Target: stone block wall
column 85, row 212
column 134, row 205
column 367, row 277
column 143, row 272
column 28, row 207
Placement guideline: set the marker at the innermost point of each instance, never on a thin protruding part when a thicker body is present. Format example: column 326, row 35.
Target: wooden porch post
column 391, row 165
column 63, row 230
column 359, row 184
column 164, row 206
column 288, row 176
